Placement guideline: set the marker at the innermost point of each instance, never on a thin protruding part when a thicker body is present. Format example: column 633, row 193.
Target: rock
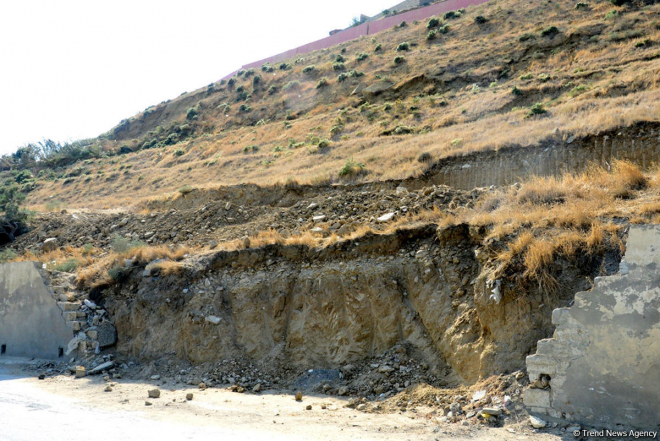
column 361, row 407
column 317, row 230
column 573, row 429
column 386, row 217
column 189, row 396
column 42, row 377
column 80, row 371
column 107, row 334
column 537, row 423
column 312, row 206
column 154, row 393
column 228, row 206
column 257, row 388
column 299, row 396
column 108, row 389
column 213, row 319
column 202, row 386
column 90, row 304
column 213, row 244
column 342, row 391
column 147, row 403
column 384, row 369
column 49, row 245
column 308, row 407
column 102, row 367
column 455, row 408
column 378, row 88
column 318, row 218
column 155, row 377
column 491, row 411
column 401, row 190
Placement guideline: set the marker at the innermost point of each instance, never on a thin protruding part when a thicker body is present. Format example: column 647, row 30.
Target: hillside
column 507, row 74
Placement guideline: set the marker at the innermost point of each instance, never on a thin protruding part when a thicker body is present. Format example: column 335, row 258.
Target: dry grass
column 618, row 79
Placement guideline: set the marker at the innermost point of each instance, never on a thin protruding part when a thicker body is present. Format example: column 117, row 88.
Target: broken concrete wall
column 31, row 323
column 602, row 368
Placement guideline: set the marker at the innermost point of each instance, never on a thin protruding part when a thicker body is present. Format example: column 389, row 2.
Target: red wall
column 366, row 29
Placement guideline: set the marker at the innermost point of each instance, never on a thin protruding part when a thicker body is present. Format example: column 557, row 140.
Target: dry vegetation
column 453, row 94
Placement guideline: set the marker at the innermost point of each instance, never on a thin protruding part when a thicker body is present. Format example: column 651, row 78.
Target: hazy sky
column 72, row 69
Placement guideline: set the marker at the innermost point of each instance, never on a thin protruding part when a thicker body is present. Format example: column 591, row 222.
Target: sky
column 72, row 69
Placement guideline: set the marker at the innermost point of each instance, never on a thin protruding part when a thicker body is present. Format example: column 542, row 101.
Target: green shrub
column 536, row 109
column 67, row 267
column 323, row 143
column 403, row 24
column 122, row 244
column 186, row 189
column 403, row 46
column 179, row 152
column 619, row 2
column 350, row 167
column 7, row 254
column 550, row 31
column 340, row 59
column 433, row 23
column 249, row 72
column 231, row 82
column 526, row 36
column 272, row 90
column 192, row 113
column 378, row 47
column 578, row 90
column 338, row 66
column 443, row 29
column 451, row 15
column 355, row 74
column 118, row 273
column 480, row 19
column 361, row 57
column 544, row 77
column 432, row 34
column 267, row 68
column 322, row 83
column 527, row 76
column 240, row 73
column 516, row 91
column 611, row 14
column 644, row 43
column 424, row 157
column 342, row 77
column 244, row 108
column 292, row 85
column 581, row 5
column 284, row 66
column 309, row 69
column 399, row 59
column 256, row 80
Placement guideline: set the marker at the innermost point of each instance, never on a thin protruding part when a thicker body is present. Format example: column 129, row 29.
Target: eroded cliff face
column 320, row 308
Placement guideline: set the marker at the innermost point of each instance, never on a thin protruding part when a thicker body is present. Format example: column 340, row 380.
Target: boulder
column 49, row 245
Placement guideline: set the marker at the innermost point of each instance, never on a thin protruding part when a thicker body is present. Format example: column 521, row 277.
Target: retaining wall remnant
column 602, row 368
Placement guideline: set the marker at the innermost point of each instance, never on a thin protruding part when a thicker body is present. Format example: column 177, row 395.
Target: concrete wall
column 368, row 28
column 604, row 359
column 31, row 323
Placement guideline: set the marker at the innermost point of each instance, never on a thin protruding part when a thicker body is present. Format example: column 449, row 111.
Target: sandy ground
column 64, row 408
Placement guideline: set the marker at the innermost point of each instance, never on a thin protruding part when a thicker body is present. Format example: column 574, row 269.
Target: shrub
column 249, row 72
column 179, row 152
column 536, row 109
column 378, row 47
column 550, row 31
column 443, row 29
column 244, row 108
column 403, row 46
column 527, row 76
column 7, row 255
column 451, row 15
column 322, row 83
column 403, row 24
column 577, row 90
column 342, row 77
column 644, row 43
column 340, row 58
column 67, row 267
column 424, row 157
column 192, row 113
column 355, row 74
column 544, row 77
column 338, row 66
column 432, row 34
column 292, row 85
column 516, row 91
column 272, row 90
column 350, row 167
column 256, row 80
column 526, row 36
column 581, row 5
column 122, row 244
column 480, row 19
column 611, row 14
column 619, row 2
column 240, row 73
column 433, row 23
column 186, row 189
column 361, row 57
column 267, row 68
column 324, row 143
column 309, row 69
column 231, row 82
column 284, row 66
column 399, row 59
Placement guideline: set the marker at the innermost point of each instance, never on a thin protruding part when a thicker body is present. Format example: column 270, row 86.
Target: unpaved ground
column 63, row 408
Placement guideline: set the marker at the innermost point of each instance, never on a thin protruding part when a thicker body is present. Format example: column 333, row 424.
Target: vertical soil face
column 323, row 308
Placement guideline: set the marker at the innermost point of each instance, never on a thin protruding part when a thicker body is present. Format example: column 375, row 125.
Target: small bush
column 179, row 152
column 536, row 109
column 516, row 91
column 619, row 2
column 399, row 59
column 433, row 23
column 355, row 74
column 451, row 15
column 544, row 77
column 432, row 34
column 249, row 73
column 578, row 90
column 192, row 113
column 527, row 76
column 322, row 83
column 644, row 43
column 581, row 5
column 378, row 47
column 424, row 157
column 350, row 167
column 324, row 143
column 480, row 19
column 272, row 90
column 403, row 46
column 403, row 24
column 256, row 80
column 526, row 36
column 244, row 108
column 186, row 189
column 122, row 244
column 611, row 14
column 340, row 58
column 443, row 29
column 338, row 66
column 550, row 31
column 67, row 267
column 309, row 69
column 7, row 255
column 361, row 57
column 240, row 73
column 284, row 66
column 342, row 77
column 292, row 85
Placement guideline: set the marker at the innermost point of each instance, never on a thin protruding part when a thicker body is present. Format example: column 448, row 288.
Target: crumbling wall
column 31, row 323
column 602, row 368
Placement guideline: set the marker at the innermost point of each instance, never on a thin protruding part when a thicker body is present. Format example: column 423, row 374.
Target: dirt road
column 63, row 408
